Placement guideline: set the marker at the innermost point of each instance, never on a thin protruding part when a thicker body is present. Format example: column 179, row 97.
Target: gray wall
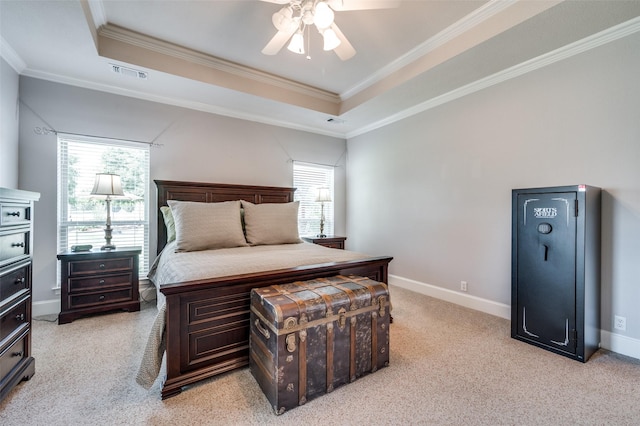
column 196, row 146
column 434, row 190
column 8, row 126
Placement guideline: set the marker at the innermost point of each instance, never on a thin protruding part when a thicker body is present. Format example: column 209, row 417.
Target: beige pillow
column 168, row 223
column 271, row 223
column 201, row 226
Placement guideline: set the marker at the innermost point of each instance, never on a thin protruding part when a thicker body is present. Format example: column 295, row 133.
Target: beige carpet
column 449, row 366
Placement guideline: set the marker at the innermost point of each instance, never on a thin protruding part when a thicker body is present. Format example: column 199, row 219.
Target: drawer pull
column 16, row 214
column 20, row 317
column 19, row 281
column 101, row 298
column 102, row 266
column 101, row 282
column 20, row 244
column 17, row 353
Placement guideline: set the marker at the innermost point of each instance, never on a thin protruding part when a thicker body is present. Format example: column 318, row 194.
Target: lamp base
column 108, row 247
column 321, row 236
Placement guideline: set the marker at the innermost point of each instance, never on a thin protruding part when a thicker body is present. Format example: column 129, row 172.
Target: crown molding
column 478, row 16
column 197, row 106
column 606, row 36
column 133, row 38
column 11, row 56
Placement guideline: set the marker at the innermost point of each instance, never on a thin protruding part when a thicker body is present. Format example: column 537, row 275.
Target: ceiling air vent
column 129, row 72
column 335, row 120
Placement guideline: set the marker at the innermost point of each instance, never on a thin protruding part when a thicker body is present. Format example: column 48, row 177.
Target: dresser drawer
column 14, row 213
column 100, row 282
column 98, row 266
column 12, row 356
column 100, row 298
column 14, row 318
column 13, row 246
column 15, row 279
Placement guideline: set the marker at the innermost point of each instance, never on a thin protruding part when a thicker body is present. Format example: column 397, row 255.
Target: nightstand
column 331, row 241
column 98, row 281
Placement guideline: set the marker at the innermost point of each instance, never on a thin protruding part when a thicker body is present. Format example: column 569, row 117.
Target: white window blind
column 308, row 179
column 82, row 216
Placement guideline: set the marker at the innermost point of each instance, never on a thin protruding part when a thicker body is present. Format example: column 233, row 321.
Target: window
column 308, row 179
column 81, row 216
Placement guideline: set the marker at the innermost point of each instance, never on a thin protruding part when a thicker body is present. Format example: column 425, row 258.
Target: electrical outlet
column 463, row 285
column 620, row 323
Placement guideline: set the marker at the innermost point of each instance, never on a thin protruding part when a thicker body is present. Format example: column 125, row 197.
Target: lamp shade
column 323, row 15
column 324, row 195
column 331, row 40
column 297, row 43
column 107, row 184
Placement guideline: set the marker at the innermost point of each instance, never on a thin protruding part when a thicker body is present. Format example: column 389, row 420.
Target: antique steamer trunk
column 309, row 337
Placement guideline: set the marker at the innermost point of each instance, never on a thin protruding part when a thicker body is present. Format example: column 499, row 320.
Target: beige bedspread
column 171, row 267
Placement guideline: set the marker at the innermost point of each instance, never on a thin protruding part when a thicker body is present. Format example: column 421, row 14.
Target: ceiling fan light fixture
column 331, row 40
column 297, row 43
column 283, row 19
column 323, row 15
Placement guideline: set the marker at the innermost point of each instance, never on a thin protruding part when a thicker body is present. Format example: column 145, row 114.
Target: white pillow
column 201, row 226
column 271, row 223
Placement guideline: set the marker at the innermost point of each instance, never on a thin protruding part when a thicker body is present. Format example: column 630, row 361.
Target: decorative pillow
column 201, row 226
column 168, row 223
column 271, row 223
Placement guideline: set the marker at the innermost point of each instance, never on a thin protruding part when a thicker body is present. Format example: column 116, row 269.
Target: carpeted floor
column 449, row 366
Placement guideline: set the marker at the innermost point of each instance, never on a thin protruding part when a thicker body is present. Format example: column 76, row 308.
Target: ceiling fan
column 298, row 15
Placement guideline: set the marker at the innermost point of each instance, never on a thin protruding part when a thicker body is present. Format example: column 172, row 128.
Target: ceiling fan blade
column 276, row 43
column 344, row 50
column 341, row 5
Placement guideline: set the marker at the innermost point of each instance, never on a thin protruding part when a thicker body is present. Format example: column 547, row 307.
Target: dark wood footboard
column 208, row 321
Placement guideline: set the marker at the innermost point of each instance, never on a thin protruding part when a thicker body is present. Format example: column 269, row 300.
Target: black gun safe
column 555, row 269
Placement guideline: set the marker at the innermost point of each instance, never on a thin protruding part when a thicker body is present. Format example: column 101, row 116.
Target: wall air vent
column 129, row 72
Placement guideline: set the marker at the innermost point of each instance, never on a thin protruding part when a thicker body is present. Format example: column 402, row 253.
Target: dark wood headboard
column 213, row 193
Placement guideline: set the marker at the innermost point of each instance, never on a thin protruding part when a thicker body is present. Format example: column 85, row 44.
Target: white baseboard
column 45, row 307
column 462, row 299
column 613, row 342
column 620, row 344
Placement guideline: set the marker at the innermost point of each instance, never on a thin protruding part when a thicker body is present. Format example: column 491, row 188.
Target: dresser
column 98, row 281
column 16, row 242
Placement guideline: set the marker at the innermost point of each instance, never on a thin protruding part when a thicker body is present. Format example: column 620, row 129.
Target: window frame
column 307, row 178
column 63, row 223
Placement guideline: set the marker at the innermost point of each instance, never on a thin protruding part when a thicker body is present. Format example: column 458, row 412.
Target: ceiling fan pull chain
column 308, row 44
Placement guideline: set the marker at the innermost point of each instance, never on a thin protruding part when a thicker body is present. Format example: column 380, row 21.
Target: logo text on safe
column 545, row 212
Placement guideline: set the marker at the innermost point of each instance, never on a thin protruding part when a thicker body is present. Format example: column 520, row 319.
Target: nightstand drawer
column 100, row 298
column 13, row 319
column 334, row 244
column 14, row 279
column 15, row 214
column 330, row 241
column 101, row 265
column 13, row 246
column 100, row 282
column 12, row 356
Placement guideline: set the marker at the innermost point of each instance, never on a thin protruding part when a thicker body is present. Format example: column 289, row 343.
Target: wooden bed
column 207, row 321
